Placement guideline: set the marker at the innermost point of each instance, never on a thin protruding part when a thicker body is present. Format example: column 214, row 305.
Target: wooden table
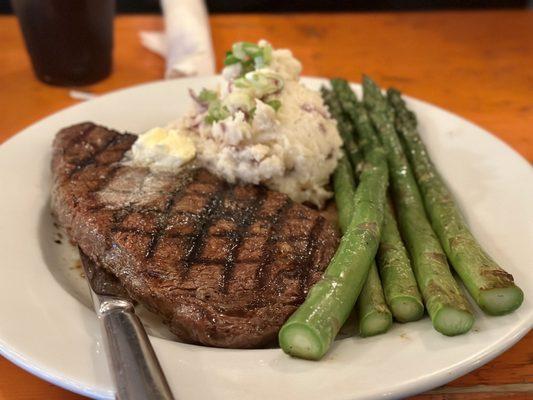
column 476, row 64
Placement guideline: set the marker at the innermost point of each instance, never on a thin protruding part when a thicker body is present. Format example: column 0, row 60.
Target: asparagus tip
column 501, row 301
column 367, row 78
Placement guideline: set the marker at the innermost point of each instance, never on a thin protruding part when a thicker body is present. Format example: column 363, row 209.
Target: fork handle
column 134, row 366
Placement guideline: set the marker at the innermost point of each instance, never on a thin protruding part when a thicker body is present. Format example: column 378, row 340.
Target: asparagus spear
column 309, row 332
column 401, row 291
column 492, row 288
column 344, row 189
column 374, row 317
column 345, row 129
column 445, row 303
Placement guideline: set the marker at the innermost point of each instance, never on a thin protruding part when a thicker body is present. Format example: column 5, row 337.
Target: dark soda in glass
column 70, row 41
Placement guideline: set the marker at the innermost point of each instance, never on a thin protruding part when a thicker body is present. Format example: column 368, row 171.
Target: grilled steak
column 225, row 265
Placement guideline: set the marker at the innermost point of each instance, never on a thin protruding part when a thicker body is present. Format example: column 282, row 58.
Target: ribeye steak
column 224, row 264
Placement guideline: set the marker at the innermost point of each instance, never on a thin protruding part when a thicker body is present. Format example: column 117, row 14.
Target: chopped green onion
column 275, row 104
column 259, row 62
column 267, row 54
column 261, row 82
column 251, row 49
column 250, row 55
column 238, row 50
column 230, row 59
column 216, row 112
column 247, row 66
column 207, row 96
column 239, row 99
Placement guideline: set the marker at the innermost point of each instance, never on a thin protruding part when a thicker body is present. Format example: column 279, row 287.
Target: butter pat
column 163, row 149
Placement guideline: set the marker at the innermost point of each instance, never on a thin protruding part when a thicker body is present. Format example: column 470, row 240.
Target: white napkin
column 186, row 42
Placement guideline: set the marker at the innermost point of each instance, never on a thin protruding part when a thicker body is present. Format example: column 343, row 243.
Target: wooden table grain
column 476, row 64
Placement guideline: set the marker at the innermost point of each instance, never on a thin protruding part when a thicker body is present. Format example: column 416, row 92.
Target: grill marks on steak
column 224, row 264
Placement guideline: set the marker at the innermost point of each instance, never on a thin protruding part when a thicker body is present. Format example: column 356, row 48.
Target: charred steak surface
column 225, row 265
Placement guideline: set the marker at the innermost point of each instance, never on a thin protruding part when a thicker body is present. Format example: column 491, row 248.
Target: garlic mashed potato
column 263, row 126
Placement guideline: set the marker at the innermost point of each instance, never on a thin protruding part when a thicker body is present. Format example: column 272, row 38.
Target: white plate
column 47, row 331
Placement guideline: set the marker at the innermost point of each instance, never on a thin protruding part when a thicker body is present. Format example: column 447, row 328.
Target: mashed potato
column 263, row 126
column 260, row 126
